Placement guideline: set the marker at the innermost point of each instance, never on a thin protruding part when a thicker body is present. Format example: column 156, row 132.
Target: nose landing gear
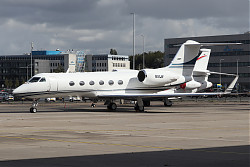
column 33, row 108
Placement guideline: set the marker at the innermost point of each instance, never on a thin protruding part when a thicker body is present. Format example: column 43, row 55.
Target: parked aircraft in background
column 126, row 84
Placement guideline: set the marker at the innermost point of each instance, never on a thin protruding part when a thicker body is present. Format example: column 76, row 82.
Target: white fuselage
column 88, row 84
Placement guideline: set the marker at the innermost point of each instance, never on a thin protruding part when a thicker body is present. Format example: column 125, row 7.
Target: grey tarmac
column 192, row 133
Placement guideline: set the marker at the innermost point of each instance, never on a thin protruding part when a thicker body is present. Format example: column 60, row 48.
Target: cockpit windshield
column 42, row 80
column 34, row 79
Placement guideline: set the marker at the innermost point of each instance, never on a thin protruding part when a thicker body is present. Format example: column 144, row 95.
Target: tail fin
column 202, row 61
column 185, row 58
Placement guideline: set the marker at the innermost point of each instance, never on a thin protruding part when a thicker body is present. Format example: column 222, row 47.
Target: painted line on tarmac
column 123, row 145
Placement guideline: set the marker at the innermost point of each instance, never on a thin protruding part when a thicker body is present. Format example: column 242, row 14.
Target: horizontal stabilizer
column 219, row 73
column 208, row 44
column 205, row 72
column 231, row 86
column 214, row 44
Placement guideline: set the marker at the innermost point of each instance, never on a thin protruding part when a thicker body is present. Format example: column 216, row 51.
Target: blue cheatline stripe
column 189, row 62
column 160, row 88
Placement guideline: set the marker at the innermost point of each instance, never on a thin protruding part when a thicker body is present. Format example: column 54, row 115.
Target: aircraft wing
column 134, row 96
column 123, row 95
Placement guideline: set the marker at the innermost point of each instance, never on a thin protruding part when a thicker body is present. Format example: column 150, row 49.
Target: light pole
column 27, row 68
column 143, row 58
column 237, row 66
column 220, row 70
column 237, row 72
column 133, row 40
column 31, row 59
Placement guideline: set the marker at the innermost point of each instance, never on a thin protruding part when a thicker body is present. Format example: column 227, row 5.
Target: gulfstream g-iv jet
column 127, row 84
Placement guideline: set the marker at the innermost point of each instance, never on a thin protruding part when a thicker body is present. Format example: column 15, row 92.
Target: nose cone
column 21, row 90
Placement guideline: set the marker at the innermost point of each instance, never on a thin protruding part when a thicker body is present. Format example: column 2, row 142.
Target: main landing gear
column 33, row 108
column 139, row 106
column 167, row 102
column 110, row 105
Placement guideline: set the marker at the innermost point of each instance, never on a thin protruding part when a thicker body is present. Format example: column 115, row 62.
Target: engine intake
column 141, row 76
column 156, row 77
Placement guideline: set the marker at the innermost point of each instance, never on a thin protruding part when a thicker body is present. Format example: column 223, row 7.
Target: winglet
column 231, row 86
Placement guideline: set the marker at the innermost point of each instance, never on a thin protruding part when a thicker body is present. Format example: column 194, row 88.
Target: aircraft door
column 53, row 85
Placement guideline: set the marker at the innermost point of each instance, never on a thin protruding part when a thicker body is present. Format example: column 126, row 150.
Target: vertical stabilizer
column 184, row 60
column 202, row 61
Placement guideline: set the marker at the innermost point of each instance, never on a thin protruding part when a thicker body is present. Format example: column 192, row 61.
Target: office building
column 234, row 59
column 17, row 68
column 106, row 62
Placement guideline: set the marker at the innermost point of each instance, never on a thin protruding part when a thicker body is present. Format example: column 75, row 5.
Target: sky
column 96, row 26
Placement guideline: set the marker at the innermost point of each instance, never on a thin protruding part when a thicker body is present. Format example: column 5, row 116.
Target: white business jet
column 199, row 80
column 127, row 84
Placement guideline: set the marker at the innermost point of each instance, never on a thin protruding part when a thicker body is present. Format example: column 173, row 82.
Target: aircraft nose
column 16, row 91
column 19, row 90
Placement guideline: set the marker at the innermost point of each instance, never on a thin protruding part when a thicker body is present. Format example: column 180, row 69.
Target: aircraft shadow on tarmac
column 165, row 110
column 233, row 156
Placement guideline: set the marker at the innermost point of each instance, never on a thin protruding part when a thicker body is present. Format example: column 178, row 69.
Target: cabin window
column 120, row 82
column 101, row 82
column 91, row 82
column 71, row 83
column 34, row 79
column 42, row 80
column 111, row 82
column 81, row 83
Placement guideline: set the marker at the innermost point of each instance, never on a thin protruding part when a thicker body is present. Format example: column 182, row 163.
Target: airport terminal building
column 106, row 62
column 225, row 58
column 16, row 69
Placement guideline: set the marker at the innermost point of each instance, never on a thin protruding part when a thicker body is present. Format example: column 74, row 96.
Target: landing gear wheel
column 93, row 105
column 33, row 110
column 112, row 106
column 168, row 104
column 139, row 108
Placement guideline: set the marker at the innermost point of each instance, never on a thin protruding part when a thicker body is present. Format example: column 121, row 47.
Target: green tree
column 113, row 52
column 17, row 83
column 59, row 69
column 152, row 60
column 10, row 83
column 23, row 80
column 6, row 83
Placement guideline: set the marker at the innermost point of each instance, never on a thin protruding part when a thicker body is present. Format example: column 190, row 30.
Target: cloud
column 98, row 25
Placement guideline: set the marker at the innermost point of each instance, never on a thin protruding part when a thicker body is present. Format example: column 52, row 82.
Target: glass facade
column 231, row 58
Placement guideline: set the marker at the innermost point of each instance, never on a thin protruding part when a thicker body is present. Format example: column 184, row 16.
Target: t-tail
column 184, row 60
column 202, row 61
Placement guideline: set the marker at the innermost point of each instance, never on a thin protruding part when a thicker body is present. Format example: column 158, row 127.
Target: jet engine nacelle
column 156, row 77
column 205, row 85
column 191, row 85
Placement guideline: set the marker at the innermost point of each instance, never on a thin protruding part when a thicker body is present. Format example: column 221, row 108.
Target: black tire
column 168, row 104
column 141, row 108
column 33, row 110
column 113, row 106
